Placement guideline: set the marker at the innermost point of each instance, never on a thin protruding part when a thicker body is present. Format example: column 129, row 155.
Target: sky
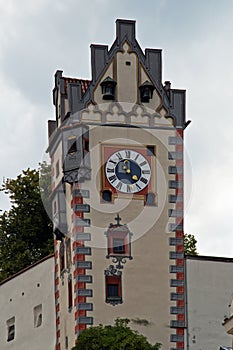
column 39, row 37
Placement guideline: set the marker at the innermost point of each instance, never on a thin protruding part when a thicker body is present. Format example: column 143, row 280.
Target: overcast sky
column 39, row 37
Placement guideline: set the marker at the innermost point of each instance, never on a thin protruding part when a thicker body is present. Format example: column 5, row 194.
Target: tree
column 190, row 244
column 117, row 337
column 25, row 230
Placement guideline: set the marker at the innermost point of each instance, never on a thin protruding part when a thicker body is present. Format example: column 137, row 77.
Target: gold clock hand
column 126, row 167
column 134, row 177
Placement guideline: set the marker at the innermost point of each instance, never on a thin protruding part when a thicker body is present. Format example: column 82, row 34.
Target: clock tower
column 116, row 151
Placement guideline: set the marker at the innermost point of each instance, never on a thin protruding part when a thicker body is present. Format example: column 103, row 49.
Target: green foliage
column 117, row 337
column 25, row 230
column 190, row 244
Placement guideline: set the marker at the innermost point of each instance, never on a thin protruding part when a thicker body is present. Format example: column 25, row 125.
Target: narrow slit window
column 37, row 312
column 10, row 329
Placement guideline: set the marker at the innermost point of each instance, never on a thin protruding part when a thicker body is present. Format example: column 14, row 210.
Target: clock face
column 128, row 171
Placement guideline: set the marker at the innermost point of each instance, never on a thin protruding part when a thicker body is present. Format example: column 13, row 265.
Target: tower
column 116, row 150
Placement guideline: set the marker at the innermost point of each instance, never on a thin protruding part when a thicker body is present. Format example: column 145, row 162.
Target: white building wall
column 209, row 291
column 33, row 287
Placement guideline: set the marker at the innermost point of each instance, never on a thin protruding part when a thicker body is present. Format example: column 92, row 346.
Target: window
column 119, row 242
column 72, row 145
column 107, row 195
column 57, row 168
column 62, row 256
column 113, row 289
column 118, row 245
column 10, row 329
column 37, row 312
column 70, row 297
column 68, row 253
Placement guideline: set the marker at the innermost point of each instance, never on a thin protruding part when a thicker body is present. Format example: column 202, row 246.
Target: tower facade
column 116, row 150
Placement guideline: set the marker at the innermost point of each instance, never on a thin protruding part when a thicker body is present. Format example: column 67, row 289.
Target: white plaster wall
column 18, row 297
column 210, row 286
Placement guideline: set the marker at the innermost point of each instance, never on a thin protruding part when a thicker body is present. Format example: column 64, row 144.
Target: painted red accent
column 78, row 285
column 180, row 289
column 180, row 345
column 76, row 200
column 79, row 272
column 180, row 248
column 80, row 313
column 180, row 275
column 58, row 333
column 180, row 262
column 56, row 268
column 58, row 320
column 57, row 294
column 58, row 347
column 52, row 172
column 80, row 327
column 180, row 303
column 56, row 254
column 180, row 317
column 180, row 331
column 53, row 186
column 77, row 229
column 57, row 308
column 56, row 281
column 79, row 257
column 77, row 214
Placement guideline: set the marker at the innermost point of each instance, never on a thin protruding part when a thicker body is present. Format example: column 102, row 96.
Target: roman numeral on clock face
column 112, row 178
column 127, row 153
column 144, row 180
column 143, row 163
column 145, row 171
column 119, row 156
column 119, row 186
column 110, row 170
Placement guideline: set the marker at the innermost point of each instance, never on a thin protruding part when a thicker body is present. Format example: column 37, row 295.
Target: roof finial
column 118, row 219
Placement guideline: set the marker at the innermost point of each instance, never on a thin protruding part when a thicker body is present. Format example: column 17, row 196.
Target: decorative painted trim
column 177, row 296
column 176, row 283
column 176, row 255
column 174, row 310
column 176, row 268
column 175, row 155
column 175, row 241
column 84, row 278
column 175, row 184
column 177, row 324
column 175, row 140
column 175, row 199
column 176, row 338
column 80, row 251
column 175, row 169
column 85, row 306
column 178, row 241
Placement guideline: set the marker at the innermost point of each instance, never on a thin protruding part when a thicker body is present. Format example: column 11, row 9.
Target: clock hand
column 134, row 177
column 126, row 167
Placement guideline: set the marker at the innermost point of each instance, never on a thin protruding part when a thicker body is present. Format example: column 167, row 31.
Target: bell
column 108, row 88
column 145, row 95
column 108, row 93
column 146, row 91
